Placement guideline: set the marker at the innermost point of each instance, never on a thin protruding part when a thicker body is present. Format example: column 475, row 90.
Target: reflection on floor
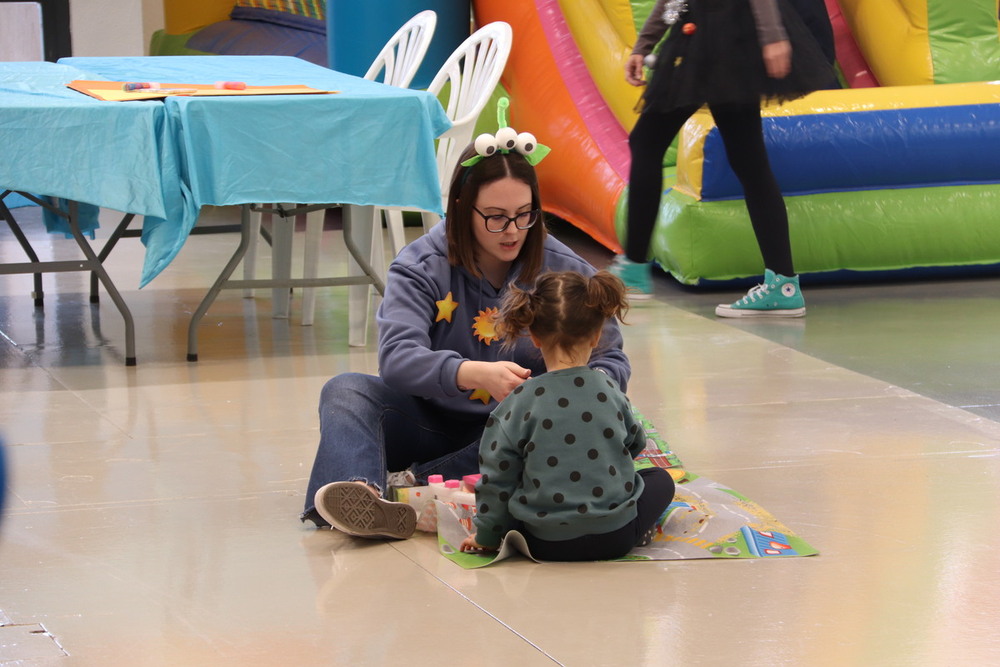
column 152, row 519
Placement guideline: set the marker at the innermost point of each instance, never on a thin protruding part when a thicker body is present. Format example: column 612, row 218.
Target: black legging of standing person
column 743, row 137
column 657, row 493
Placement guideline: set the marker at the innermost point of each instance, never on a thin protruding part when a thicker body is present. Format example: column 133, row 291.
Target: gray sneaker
column 352, row 508
column 401, row 479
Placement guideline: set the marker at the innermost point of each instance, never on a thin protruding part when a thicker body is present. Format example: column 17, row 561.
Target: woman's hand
column 633, row 70
column 778, row 59
column 470, row 544
column 499, row 378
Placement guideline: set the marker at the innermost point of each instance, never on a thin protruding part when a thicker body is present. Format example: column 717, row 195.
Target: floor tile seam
column 125, row 437
column 33, row 507
column 480, row 607
column 729, row 328
column 887, row 385
column 803, row 464
column 814, row 399
column 929, row 404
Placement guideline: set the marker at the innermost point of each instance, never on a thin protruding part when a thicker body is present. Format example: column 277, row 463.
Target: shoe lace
column 757, row 292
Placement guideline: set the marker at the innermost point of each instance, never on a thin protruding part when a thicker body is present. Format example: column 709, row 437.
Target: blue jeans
column 367, row 429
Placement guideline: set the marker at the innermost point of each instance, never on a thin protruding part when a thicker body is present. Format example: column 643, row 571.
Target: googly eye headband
column 507, row 139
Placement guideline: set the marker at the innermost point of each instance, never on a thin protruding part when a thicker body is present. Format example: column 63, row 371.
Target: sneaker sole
column 727, row 311
column 353, row 509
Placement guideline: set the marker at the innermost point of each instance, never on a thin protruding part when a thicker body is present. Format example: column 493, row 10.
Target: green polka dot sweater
column 556, row 455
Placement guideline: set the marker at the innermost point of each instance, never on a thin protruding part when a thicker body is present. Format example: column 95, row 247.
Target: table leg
column 213, row 292
column 112, row 241
column 359, row 226
column 282, row 231
column 38, row 295
column 102, row 274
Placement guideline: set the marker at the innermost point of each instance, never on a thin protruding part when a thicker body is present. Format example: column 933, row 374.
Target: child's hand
column 470, row 544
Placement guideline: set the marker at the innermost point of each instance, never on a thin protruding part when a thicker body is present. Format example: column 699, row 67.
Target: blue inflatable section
column 869, row 150
column 358, row 29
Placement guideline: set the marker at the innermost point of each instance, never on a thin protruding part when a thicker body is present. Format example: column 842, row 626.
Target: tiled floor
column 152, row 518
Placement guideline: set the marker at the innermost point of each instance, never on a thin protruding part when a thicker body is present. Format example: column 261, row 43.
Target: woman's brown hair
column 562, row 309
column 459, row 218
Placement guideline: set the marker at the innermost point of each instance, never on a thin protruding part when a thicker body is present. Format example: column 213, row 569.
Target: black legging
column 657, row 493
column 743, row 137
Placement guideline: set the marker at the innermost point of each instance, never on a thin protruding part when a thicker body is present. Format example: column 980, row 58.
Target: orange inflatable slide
column 554, row 92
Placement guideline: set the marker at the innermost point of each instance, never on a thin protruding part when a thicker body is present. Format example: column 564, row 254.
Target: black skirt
column 718, row 59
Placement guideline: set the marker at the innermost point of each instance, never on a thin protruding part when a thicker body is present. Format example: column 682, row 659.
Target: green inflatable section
column 964, row 42
column 871, row 230
column 867, row 230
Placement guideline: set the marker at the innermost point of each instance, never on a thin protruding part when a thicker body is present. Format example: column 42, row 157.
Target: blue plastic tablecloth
column 370, row 144
column 59, row 142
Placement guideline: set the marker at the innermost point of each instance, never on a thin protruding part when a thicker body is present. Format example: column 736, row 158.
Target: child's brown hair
column 562, row 309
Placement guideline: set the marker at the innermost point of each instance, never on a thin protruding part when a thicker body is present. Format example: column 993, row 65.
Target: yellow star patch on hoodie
column 481, row 395
column 446, row 307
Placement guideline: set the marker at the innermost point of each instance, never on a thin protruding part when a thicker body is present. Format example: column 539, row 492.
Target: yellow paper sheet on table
column 112, row 91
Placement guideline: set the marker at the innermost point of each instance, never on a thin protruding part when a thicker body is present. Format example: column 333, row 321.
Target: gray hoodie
column 434, row 316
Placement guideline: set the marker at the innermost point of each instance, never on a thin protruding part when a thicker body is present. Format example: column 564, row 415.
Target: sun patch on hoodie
column 483, row 325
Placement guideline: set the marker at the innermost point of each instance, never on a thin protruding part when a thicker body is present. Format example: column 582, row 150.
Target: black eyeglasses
column 497, row 222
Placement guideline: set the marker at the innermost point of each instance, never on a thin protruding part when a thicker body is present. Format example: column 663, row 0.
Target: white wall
column 20, row 31
column 114, row 27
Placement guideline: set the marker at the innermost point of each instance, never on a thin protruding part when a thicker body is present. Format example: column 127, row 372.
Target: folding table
column 366, row 145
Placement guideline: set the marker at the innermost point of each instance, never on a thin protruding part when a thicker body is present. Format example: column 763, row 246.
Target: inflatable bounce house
column 900, row 170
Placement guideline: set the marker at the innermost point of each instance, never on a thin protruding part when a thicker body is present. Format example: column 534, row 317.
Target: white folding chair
column 398, row 61
column 395, row 65
column 472, row 73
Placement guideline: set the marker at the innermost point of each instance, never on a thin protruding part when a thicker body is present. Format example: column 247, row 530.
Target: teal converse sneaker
column 637, row 277
column 777, row 296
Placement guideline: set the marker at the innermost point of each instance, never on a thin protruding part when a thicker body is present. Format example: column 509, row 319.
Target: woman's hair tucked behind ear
column 562, row 309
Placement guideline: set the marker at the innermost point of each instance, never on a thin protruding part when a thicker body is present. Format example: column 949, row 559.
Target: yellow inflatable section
column 893, row 35
column 184, row 16
column 604, row 31
column 923, row 42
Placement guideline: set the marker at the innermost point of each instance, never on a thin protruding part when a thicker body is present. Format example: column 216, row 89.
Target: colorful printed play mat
column 705, row 520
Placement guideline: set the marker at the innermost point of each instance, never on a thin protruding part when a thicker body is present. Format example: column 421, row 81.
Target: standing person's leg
column 742, row 135
column 648, row 143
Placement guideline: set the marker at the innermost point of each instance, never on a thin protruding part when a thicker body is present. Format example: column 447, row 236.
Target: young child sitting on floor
column 556, row 455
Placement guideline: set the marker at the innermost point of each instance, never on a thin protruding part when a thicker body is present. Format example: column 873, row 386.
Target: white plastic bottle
column 436, row 482
column 447, row 493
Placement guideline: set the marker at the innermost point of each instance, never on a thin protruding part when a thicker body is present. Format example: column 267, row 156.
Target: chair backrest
column 400, row 58
column 472, row 71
